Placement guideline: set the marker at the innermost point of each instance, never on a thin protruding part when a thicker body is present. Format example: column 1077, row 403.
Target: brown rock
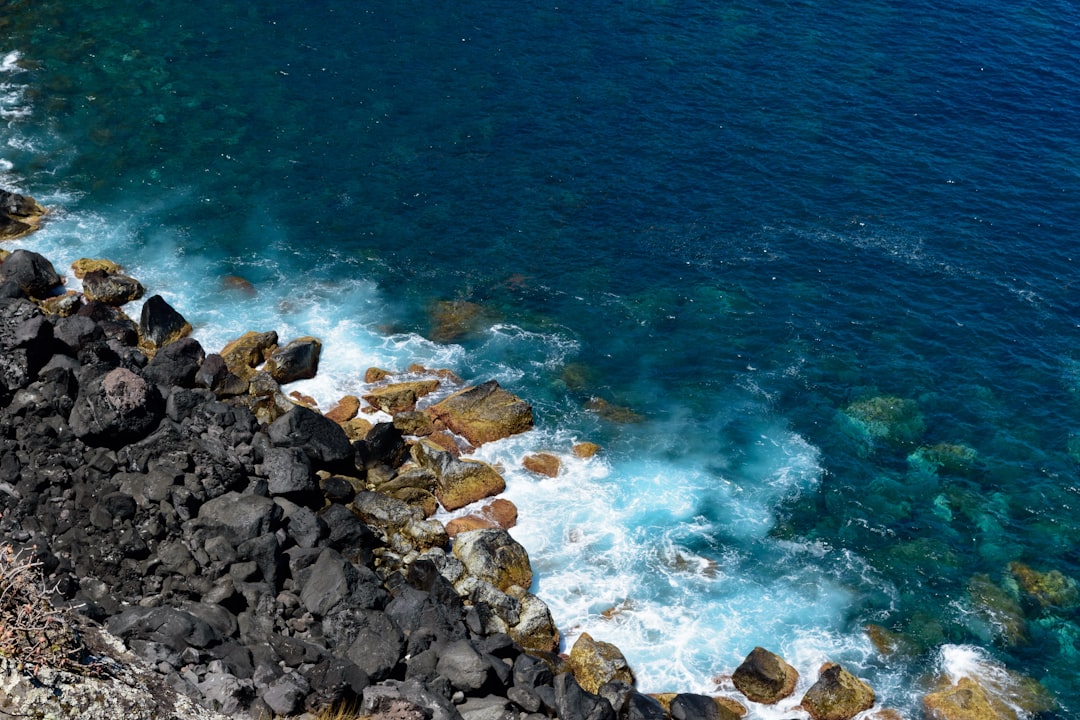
column 345, row 410
column 459, row 482
column 111, row 289
column 585, row 450
column 469, row 522
column 357, row 428
column 414, row 422
column 837, row 695
column 64, row 305
column 999, row 694
column 494, row 556
column 248, row 351
column 19, row 215
column 499, row 513
column 298, row 360
column 765, row 677
column 374, row 375
column 400, row 397
column 503, row 512
column 448, row 375
column 82, row 266
column 1047, row 589
column 613, row 413
column 543, row 464
column 967, row 700
column 302, row 399
column 535, row 629
column 452, row 320
column 238, row 284
column 595, row 663
column 483, row 413
column 733, row 707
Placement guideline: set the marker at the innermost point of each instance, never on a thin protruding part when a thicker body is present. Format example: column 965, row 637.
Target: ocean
column 806, row 271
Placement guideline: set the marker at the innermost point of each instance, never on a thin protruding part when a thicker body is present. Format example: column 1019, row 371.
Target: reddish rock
column 543, row 464
column 400, row 397
column 345, row 410
column 374, row 375
column 483, row 413
column 585, row 450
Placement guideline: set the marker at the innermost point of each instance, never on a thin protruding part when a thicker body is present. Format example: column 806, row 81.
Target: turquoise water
column 747, row 223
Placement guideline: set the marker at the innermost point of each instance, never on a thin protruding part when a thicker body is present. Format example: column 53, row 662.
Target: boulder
column 452, row 320
column 998, row 694
column 239, row 517
column 111, row 288
column 764, row 677
column 542, row 464
column 160, row 324
column 612, row 412
column 885, row 417
column 116, row 408
column 19, row 215
column 458, row 482
column 248, row 351
column 691, row 706
column 288, row 471
column 483, row 413
column 323, row 440
column 31, row 272
column 298, row 360
column 25, row 337
column 574, row 703
column 82, row 266
column 334, row 582
column 414, row 423
column 400, row 397
column 494, row 556
column 595, row 662
column 176, row 364
column 837, row 695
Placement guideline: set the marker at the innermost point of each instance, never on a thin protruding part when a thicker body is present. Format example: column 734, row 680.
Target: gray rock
column 487, row 708
column 239, row 517
column 369, row 638
column 285, row 695
column 31, row 272
column 160, row 324
column 574, row 703
column 321, row 438
column 463, row 666
column 176, row 364
column 115, row 409
column 299, row 360
column 333, row 581
column 288, row 471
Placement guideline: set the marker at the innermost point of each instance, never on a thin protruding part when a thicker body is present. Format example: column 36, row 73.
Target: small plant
column 32, row 632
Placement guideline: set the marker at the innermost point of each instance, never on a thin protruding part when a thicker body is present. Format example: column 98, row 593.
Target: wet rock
column 837, row 695
column 888, row 418
column 483, row 413
column 764, row 677
column 585, row 450
column 34, row 275
column 1051, row 589
column 19, row 215
column 82, row 266
column 298, row 360
column 458, row 482
column 248, row 351
column 499, row 513
column 160, row 324
column 452, row 320
column 613, row 413
column 345, row 410
column 998, row 609
column 494, row 556
column 400, row 397
column 111, row 288
column 543, row 464
column 595, row 663
column 535, row 629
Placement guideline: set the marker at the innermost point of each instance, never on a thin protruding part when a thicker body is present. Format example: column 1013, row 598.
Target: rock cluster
column 261, row 561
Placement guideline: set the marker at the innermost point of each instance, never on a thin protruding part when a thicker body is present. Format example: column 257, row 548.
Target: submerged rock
column 888, row 418
column 1051, row 589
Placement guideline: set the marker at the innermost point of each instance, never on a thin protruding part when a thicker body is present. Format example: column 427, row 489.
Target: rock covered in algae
column 837, row 695
column 483, row 413
column 19, row 215
column 595, row 662
column 888, row 418
column 1051, row 589
column 494, row 556
column 765, row 677
column 952, row 458
column 998, row 609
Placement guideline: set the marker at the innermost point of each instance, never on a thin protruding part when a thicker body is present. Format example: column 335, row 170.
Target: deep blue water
column 740, row 220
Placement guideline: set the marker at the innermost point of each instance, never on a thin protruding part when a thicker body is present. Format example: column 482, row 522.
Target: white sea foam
column 10, row 62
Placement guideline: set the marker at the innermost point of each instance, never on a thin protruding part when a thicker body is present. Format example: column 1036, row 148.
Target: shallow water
column 743, row 222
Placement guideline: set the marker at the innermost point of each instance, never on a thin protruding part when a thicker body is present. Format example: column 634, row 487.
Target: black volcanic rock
column 31, row 272
column 116, row 408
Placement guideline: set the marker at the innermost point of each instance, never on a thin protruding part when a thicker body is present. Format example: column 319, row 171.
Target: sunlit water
column 741, row 222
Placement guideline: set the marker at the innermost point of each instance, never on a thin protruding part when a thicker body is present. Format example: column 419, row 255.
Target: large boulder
column 82, row 266
column 25, row 336
column 299, row 360
column 764, row 677
column 31, row 272
column 323, row 440
column 483, row 413
column 160, row 324
column 458, row 482
column 116, row 408
column 248, row 351
column 1050, row 589
column 111, row 288
column 176, row 364
column 595, row 663
column 837, row 695
column 494, row 556
column 19, row 215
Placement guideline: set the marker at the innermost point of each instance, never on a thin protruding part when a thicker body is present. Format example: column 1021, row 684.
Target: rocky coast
column 178, row 526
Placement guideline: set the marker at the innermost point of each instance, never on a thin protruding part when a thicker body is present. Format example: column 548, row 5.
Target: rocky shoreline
column 263, row 559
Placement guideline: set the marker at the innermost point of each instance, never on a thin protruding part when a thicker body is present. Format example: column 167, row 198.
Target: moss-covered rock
column 595, row 662
column 837, row 695
column 765, row 677
column 483, row 413
column 890, row 419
